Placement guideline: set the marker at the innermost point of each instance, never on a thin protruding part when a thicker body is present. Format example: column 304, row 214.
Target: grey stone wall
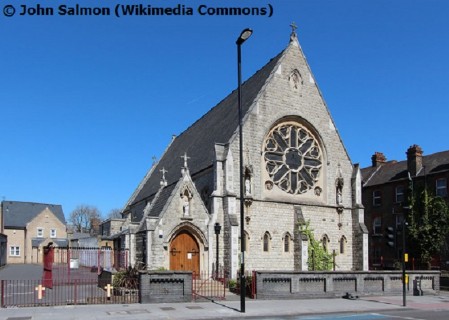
column 280, row 285
column 165, row 287
column 272, row 209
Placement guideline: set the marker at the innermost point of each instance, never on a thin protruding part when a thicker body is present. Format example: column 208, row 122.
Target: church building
column 296, row 171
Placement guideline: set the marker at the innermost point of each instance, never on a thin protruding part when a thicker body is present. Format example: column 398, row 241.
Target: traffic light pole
column 404, row 260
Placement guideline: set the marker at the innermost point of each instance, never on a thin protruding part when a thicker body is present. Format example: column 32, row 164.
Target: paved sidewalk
column 227, row 309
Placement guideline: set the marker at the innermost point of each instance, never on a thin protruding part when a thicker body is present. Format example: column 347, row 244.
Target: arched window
column 325, row 241
column 266, row 242
column 343, row 244
column 287, row 240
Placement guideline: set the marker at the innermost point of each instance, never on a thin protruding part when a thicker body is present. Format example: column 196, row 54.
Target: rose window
column 292, row 158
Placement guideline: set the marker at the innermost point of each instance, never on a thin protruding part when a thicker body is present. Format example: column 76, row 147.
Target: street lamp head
column 244, row 36
column 217, row 228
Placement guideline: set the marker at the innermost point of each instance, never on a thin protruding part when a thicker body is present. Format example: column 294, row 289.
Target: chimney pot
column 414, row 159
column 377, row 159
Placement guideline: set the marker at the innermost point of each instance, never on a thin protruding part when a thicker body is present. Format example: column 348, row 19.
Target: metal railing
column 31, row 293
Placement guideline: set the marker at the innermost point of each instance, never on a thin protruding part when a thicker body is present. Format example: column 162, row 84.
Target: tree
column 319, row 258
column 428, row 226
column 115, row 214
column 84, row 218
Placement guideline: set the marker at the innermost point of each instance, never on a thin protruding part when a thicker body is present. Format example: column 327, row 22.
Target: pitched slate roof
column 17, row 214
column 393, row 170
column 160, row 201
column 198, row 141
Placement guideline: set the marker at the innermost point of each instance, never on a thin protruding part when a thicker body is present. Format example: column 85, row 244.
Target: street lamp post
column 217, row 229
column 244, row 35
column 404, row 260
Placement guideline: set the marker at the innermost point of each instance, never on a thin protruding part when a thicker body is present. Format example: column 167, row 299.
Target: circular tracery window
column 292, row 157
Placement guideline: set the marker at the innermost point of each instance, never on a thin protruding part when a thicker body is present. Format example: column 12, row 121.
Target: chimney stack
column 414, row 159
column 377, row 159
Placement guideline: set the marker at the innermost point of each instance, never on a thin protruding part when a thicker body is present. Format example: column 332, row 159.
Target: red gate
column 209, row 287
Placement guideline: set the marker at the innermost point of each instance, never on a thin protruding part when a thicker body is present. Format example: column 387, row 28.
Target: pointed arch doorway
column 184, row 253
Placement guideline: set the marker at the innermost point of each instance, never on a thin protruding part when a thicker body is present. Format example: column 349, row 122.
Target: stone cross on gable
column 163, row 172
column 163, row 180
column 293, row 34
column 294, row 27
column 185, row 157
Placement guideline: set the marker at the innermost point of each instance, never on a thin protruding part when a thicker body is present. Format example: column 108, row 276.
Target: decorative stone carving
column 269, row 185
column 248, row 177
column 293, row 158
column 339, row 183
column 295, row 80
column 186, row 197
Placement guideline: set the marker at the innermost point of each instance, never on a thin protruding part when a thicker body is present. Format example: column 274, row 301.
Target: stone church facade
column 296, row 170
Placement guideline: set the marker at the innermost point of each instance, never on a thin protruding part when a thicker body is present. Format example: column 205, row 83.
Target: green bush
column 128, row 278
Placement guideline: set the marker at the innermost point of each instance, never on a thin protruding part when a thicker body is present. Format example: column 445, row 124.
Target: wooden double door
column 184, row 253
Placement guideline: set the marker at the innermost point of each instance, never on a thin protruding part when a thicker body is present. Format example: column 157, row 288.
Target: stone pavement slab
column 203, row 310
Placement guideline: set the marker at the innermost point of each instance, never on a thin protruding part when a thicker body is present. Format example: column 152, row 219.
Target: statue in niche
column 339, row 182
column 247, row 186
column 185, row 206
column 339, row 191
column 248, row 174
column 295, row 80
column 186, row 196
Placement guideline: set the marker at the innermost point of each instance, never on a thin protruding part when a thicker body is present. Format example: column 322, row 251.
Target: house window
column 266, row 242
column 377, row 198
column 377, row 226
column 399, row 194
column 14, row 251
column 377, row 256
column 40, row 232
column 52, row 233
column 287, row 239
column 441, row 187
column 399, row 221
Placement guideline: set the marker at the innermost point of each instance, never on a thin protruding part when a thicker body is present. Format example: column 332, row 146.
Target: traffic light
column 391, row 237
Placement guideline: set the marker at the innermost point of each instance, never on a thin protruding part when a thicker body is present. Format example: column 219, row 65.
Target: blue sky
column 87, row 102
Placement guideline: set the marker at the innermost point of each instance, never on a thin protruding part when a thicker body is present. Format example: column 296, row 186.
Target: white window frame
column 441, row 187
column 14, row 251
column 39, row 232
column 377, row 198
column 399, row 194
column 377, row 226
column 53, row 233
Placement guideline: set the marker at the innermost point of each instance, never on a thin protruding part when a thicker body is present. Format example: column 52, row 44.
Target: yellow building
column 31, row 226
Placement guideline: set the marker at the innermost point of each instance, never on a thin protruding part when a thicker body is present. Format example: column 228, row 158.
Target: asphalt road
column 406, row 314
column 21, row 272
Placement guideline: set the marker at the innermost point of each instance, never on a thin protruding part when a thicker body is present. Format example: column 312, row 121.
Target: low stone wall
column 281, row 285
column 165, row 286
